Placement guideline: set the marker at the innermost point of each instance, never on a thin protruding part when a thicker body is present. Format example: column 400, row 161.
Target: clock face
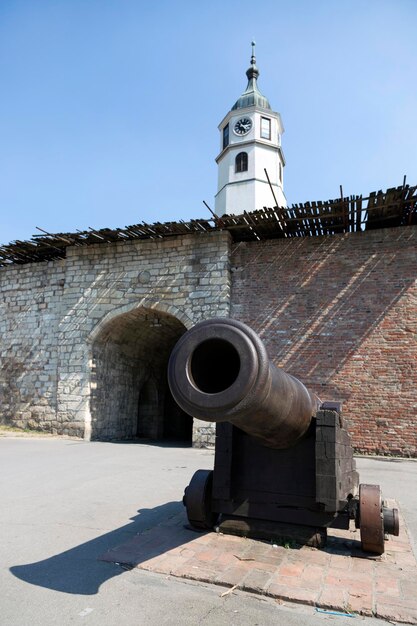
column 242, row 126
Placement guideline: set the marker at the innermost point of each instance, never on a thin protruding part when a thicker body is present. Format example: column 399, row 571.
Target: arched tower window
column 241, row 163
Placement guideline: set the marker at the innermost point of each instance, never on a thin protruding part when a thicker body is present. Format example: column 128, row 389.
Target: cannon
column 284, row 465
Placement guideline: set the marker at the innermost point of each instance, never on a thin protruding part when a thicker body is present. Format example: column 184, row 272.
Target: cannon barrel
column 219, row 371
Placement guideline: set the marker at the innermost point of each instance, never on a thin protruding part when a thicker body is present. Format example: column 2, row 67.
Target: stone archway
column 129, row 395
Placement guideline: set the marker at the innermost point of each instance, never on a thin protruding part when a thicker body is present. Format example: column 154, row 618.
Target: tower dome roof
column 252, row 96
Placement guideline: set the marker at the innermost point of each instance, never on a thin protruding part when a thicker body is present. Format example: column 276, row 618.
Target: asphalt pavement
column 66, row 502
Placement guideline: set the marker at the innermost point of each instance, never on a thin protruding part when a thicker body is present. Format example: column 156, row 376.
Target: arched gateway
column 129, row 393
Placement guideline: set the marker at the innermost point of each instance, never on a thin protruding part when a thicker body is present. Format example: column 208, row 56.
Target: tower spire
column 252, row 96
column 252, row 73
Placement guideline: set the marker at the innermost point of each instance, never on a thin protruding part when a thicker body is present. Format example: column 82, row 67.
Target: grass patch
column 13, row 430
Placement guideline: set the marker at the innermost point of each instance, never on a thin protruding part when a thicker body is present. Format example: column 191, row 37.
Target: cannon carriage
column 284, row 463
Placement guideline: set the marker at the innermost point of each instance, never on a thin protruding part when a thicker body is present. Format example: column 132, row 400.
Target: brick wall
column 340, row 313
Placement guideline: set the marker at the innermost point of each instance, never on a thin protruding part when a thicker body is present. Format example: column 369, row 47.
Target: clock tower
column 250, row 143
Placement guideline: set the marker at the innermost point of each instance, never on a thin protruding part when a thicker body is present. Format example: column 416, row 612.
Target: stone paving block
column 256, row 581
column 225, row 559
column 207, row 556
column 409, row 588
column 363, row 566
column 193, row 572
column 259, row 550
column 312, row 577
column 181, row 551
column 274, row 558
column 404, row 559
column 291, row 569
column 171, row 563
column 314, row 556
column 232, row 576
column 338, row 561
column 332, row 578
column 265, row 567
column 387, row 586
column 302, row 583
column 396, row 614
column 306, row 596
column 156, row 564
column 331, row 598
column 359, row 603
column 338, row 578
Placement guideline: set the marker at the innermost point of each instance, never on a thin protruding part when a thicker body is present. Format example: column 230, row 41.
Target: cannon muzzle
column 219, row 371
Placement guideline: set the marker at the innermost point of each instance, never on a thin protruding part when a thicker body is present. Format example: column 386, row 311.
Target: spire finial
column 253, row 72
column 253, row 60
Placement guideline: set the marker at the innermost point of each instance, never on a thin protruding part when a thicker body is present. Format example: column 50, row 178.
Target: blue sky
column 109, row 108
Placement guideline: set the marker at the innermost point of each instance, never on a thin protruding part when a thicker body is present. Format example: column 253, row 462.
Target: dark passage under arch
column 178, row 426
column 130, row 397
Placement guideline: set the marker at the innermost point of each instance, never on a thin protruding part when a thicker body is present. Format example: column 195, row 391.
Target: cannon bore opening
column 214, row 365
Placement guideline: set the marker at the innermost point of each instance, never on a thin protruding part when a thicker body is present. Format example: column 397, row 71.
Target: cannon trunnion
column 284, row 462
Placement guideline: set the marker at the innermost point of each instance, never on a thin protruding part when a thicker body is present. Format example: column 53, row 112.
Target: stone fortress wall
column 80, row 337
column 85, row 340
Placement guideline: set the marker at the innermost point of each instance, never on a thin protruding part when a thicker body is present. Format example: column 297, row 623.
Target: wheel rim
column 371, row 519
column 198, row 498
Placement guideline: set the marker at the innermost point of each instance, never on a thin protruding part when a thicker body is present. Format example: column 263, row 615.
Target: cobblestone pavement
column 341, row 577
